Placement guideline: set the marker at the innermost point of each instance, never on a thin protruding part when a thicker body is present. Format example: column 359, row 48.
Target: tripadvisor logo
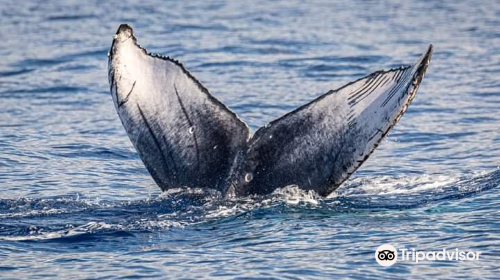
column 387, row 255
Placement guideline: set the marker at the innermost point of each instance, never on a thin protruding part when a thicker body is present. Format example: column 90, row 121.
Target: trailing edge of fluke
column 186, row 137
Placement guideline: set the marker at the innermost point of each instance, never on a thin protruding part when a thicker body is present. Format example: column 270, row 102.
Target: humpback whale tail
column 186, row 137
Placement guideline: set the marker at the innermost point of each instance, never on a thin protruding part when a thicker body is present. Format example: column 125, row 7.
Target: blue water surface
column 77, row 202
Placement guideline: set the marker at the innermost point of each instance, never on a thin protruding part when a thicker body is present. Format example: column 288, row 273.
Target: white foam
column 386, row 185
column 293, row 195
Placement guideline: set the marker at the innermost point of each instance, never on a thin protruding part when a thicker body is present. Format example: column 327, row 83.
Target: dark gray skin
column 262, row 166
column 308, row 148
column 186, row 137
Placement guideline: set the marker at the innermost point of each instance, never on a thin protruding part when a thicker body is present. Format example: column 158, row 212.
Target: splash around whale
column 186, row 137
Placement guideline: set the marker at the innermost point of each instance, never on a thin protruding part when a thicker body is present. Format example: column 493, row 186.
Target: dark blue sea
column 76, row 202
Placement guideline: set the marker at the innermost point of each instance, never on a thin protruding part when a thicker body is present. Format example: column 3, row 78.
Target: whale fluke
column 186, row 137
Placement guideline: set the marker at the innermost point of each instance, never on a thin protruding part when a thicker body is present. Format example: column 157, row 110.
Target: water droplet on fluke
column 248, row 177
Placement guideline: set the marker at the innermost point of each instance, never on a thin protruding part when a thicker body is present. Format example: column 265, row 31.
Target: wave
column 75, row 218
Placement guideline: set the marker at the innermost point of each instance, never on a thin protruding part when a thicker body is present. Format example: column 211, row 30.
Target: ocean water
column 77, row 202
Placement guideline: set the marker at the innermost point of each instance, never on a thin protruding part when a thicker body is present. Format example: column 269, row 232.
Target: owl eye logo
column 386, row 255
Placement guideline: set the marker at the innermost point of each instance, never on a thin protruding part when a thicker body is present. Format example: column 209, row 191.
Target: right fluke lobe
column 319, row 145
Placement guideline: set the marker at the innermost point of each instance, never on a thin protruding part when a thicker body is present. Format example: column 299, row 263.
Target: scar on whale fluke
column 186, row 137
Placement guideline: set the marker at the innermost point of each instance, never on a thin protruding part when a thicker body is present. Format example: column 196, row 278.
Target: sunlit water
column 76, row 201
